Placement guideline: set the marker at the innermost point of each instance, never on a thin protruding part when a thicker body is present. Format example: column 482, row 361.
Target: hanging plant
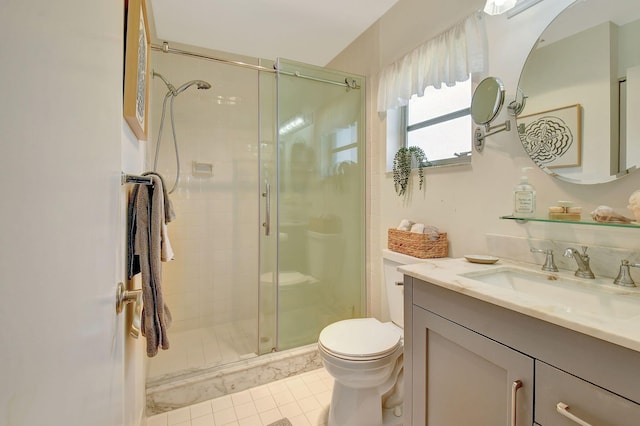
column 402, row 167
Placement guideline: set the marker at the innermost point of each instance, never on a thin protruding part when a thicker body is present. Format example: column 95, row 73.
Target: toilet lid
column 362, row 338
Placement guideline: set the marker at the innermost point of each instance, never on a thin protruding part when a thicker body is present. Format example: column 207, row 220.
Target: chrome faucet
column 549, row 264
column 624, row 276
column 584, row 270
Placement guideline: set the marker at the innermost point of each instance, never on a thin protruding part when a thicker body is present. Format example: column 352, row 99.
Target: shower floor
column 203, row 348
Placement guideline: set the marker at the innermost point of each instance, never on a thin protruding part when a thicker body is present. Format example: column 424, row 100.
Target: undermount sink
column 563, row 294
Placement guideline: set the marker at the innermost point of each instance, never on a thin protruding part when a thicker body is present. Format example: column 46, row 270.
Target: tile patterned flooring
column 303, row 399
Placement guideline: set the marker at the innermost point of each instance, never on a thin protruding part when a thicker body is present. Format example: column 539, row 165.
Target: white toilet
column 364, row 356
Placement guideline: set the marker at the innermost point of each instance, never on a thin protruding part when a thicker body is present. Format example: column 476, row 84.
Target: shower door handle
column 267, row 208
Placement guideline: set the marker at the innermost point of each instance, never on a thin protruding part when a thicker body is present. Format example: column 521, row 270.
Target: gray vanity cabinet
column 462, row 356
column 585, row 401
column 467, row 379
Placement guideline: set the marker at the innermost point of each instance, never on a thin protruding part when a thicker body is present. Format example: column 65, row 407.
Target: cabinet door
column 587, row 402
column 463, row 378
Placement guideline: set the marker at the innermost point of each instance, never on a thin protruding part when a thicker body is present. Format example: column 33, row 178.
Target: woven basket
column 418, row 245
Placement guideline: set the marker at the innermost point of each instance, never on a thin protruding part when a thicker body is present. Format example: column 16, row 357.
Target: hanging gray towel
column 133, row 261
column 149, row 216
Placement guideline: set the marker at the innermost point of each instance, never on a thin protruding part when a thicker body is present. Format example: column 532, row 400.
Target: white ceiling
column 313, row 32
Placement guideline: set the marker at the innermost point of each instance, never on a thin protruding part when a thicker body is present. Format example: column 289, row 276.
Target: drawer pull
column 514, row 390
column 564, row 410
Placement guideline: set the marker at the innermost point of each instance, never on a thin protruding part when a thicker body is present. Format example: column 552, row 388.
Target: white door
column 61, row 343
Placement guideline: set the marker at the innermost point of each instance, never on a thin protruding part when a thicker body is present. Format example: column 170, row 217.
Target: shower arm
column 170, row 86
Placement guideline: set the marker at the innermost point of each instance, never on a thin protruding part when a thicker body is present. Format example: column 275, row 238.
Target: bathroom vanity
column 519, row 351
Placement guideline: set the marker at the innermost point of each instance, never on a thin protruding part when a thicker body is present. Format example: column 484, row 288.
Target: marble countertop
column 445, row 272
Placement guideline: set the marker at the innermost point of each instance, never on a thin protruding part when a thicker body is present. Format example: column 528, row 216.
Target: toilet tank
column 393, row 282
column 325, row 253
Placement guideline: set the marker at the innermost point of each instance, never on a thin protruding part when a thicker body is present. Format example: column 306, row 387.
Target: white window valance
column 448, row 58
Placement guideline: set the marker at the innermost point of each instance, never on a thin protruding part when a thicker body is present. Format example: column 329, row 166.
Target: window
column 341, row 150
column 440, row 123
column 344, row 147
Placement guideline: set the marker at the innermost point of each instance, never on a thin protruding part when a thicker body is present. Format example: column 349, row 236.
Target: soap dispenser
column 524, row 197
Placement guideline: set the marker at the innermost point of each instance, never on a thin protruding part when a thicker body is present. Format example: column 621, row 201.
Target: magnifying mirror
column 486, row 104
column 487, row 100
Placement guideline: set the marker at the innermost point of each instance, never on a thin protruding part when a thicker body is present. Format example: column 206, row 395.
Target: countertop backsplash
column 605, row 261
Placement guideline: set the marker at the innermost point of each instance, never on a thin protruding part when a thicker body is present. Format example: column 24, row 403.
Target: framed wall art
column 136, row 68
column 553, row 138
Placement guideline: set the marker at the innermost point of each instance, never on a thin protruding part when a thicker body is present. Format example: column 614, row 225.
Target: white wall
column 62, row 360
column 466, row 202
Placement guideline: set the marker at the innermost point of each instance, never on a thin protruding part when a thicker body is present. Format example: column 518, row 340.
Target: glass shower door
column 320, row 200
column 210, row 286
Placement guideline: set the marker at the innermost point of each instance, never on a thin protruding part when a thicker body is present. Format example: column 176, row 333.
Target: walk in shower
column 269, row 229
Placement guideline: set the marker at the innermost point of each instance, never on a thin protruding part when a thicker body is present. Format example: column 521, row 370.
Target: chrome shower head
column 202, row 85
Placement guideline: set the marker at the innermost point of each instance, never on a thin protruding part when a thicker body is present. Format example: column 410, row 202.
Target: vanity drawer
column 592, row 404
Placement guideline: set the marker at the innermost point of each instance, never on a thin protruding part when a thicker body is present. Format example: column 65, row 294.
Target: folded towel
column 405, row 225
column 432, row 232
column 166, row 251
column 150, row 215
column 418, row 228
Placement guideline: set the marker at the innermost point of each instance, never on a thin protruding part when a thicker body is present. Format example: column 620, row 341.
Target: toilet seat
column 361, row 339
column 287, row 278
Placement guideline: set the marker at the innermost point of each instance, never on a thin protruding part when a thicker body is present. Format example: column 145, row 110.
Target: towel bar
column 140, row 180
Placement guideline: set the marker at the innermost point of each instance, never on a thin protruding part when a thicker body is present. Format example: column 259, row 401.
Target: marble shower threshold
column 169, row 393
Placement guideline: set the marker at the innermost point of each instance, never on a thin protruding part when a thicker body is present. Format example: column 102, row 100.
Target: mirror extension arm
column 486, row 104
column 479, row 136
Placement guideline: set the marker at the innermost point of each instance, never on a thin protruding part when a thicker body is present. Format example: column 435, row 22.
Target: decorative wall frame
column 553, row 138
column 136, row 68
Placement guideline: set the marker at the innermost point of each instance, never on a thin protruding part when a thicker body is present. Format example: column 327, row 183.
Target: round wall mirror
column 581, row 82
column 487, row 100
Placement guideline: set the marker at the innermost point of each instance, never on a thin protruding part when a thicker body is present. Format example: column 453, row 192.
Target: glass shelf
column 576, row 222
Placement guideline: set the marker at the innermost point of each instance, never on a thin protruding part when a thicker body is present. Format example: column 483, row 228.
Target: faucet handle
column 549, row 263
column 584, row 251
column 624, row 276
